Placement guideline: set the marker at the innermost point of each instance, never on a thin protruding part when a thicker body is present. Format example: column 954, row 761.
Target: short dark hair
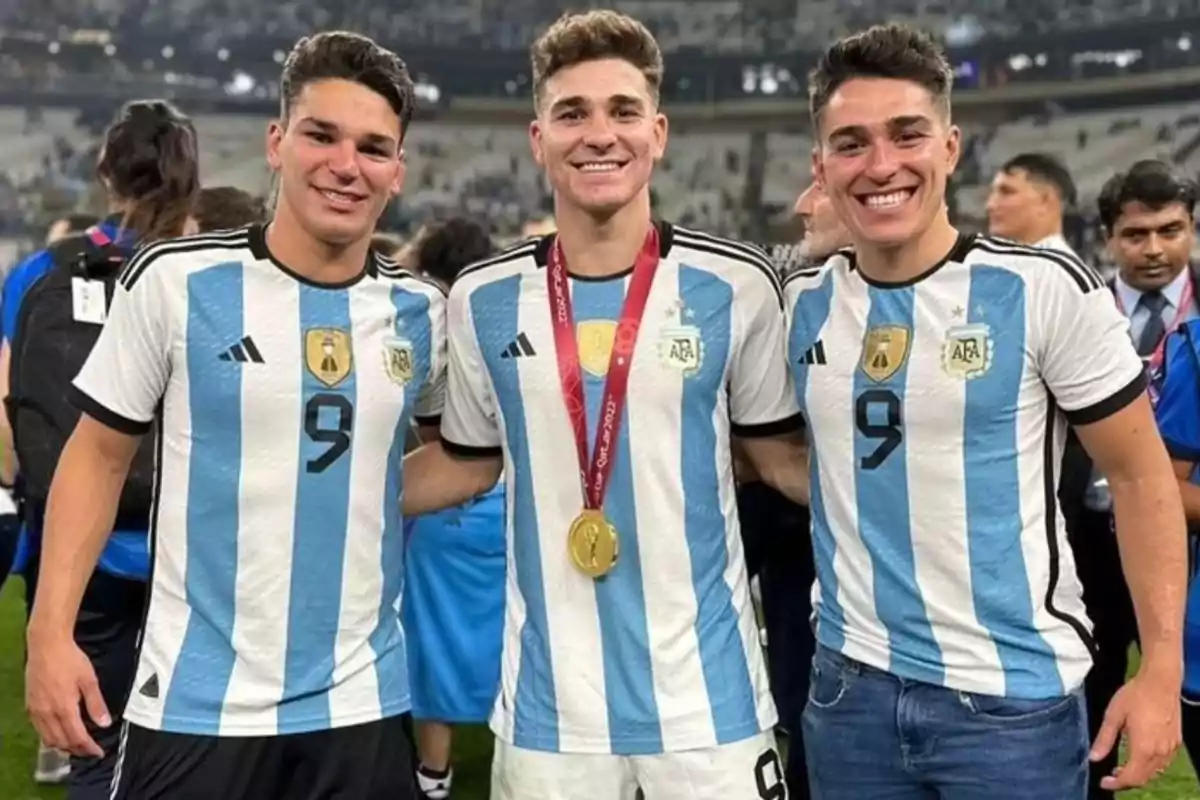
column 222, row 208
column 590, row 36
column 449, row 246
column 150, row 160
column 1151, row 182
column 882, row 51
column 1045, row 168
column 340, row 55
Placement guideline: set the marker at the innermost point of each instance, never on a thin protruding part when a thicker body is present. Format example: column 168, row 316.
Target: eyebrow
column 1132, row 230
column 894, row 124
column 325, row 126
column 579, row 101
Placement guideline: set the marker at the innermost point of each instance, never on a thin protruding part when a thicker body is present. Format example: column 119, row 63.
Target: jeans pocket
column 827, row 684
column 1014, row 710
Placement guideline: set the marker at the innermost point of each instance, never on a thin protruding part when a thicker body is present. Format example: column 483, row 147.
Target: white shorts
column 747, row 770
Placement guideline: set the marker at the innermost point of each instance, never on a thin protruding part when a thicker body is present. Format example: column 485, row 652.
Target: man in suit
column 1146, row 214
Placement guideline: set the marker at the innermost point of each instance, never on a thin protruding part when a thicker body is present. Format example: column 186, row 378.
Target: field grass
column 473, row 748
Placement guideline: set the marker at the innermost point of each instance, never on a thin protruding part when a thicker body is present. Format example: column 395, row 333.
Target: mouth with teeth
column 341, row 200
column 888, row 201
column 599, row 167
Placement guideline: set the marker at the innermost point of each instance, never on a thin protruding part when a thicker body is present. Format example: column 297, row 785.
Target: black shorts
column 364, row 762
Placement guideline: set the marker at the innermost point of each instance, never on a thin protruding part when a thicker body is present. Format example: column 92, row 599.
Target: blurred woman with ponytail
column 148, row 168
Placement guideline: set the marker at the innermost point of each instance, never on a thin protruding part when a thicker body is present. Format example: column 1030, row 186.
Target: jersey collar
column 258, row 246
column 666, row 236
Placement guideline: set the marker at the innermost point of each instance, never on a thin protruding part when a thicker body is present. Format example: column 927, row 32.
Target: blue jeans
column 868, row 734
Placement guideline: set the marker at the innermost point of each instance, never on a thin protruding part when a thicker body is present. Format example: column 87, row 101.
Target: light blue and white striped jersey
column 277, row 547
column 662, row 654
column 937, row 414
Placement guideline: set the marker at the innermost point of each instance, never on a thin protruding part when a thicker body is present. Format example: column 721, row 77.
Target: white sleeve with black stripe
column 432, row 398
column 762, row 401
column 469, row 425
column 126, row 373
column 1083, row 346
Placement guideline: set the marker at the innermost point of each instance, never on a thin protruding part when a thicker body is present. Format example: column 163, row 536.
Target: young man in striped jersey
column 607, row 367
column 280, row 368
column 952, row 638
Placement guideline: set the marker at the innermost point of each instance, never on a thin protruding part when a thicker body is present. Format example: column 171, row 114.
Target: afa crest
column 595, row 339
column 681, row 348
column 885, row 349
column 328, row 354
column 968, row 350
column 398, row 360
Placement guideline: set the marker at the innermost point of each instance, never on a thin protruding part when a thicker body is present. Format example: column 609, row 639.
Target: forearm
column 1190, row 493
column 791, row 482
column 8, row 456
column 80, row 513
column 434, row 479
column 781, row 463
column 1152, row 537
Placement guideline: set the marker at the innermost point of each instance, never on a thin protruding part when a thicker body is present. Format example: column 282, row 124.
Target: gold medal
column 592, row 542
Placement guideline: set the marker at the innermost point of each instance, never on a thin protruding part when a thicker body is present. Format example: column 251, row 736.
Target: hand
column 57, row 676
column 1147, row 710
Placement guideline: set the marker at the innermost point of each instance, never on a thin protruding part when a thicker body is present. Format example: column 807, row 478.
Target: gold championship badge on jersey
column 327, row 354
column 885, row 349
column 596, row 339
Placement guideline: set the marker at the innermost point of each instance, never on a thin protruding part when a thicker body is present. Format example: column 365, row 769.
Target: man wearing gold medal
column 631, row 658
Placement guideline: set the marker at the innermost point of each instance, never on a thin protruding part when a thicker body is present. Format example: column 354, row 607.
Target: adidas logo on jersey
column 243, row 351
column 814, row 354
column 518, row 348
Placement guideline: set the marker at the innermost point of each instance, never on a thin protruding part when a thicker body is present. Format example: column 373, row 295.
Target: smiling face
column 338, row 159
column 598, row 135
column 886, row 151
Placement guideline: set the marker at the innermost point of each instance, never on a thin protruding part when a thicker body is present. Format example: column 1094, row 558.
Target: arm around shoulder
column 441, row 475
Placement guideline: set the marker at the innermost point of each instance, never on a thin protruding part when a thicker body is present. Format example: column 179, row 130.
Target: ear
column 535, row 143
column 818, row 167
column 661, row 130
column 401, row 171
column 275, row 131
column 953, row 147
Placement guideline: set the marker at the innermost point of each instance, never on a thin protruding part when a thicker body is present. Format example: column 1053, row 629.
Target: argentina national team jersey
column 277, row 548
column 662, row 654
column 937, row 417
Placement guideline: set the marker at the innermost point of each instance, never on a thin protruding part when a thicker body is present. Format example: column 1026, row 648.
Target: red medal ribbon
column 1186, row 297
column 594, row 475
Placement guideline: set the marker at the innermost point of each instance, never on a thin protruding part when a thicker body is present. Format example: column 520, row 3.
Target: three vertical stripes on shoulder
column 225, row 240
column 1086, row 278
column 738, row 251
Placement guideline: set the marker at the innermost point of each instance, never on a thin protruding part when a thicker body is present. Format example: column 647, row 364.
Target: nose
column 1153, row 249
column 882, row 163
column 804, row 203
column 343, row 160
column 600, row 133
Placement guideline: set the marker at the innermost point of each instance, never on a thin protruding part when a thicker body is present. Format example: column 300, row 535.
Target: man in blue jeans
column 937, row 372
